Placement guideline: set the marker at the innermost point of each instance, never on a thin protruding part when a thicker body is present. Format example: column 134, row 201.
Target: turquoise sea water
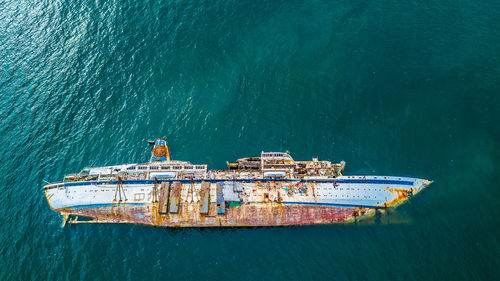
column 406, row 88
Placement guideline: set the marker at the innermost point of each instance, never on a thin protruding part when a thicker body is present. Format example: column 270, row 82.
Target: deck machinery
column 270, row 190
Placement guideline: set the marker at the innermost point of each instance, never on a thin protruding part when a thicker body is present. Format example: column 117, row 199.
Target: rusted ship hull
column 255, row 214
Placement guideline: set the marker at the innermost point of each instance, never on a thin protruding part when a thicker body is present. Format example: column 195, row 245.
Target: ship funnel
column 160, row 151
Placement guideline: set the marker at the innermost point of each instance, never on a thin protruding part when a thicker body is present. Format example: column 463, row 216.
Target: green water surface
column 406, row 88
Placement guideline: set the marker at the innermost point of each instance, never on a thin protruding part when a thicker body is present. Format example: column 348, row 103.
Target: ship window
column 142, row 167
column 177, row 167
column 188, row 167
column 165, row 167
column 200, row 167
column 153, row 167
column 131, row 168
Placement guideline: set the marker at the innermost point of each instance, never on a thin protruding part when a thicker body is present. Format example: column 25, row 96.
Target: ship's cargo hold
column 221, row 204
column 269, row 190
column 204, row 198
column 175, row 198
column 230, row 190
column 163, row 199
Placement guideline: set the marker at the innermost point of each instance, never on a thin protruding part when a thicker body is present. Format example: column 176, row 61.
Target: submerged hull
column 254, row 214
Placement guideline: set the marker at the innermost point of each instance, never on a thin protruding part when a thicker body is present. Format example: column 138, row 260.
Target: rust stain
column 254, row 214
column 401, row 195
